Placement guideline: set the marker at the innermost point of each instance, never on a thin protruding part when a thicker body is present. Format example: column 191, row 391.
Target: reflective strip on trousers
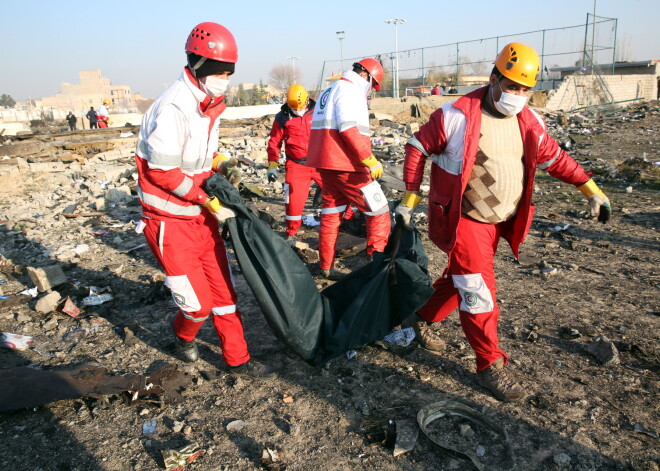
column 334, row 210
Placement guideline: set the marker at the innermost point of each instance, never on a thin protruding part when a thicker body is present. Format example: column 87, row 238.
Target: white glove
column 220, row 212
column 405, row 212
column 600, row 207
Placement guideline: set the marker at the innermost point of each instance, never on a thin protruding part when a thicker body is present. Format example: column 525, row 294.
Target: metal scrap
column 449, row 408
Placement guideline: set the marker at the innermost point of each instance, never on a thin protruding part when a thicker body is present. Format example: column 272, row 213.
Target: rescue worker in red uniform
column 291, row 128
column 485, row 149
column 340, row 148
column 176, row 153
column 103, row 114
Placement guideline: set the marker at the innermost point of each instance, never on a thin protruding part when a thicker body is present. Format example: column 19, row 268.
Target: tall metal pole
column 395, row 75
column 341, row 35
column 593, row 38
column 614, row 46
column 293, row 66
column 542, row 57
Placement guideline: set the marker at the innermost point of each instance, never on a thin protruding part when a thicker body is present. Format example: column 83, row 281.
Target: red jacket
column 292, row 129
column 451, row 139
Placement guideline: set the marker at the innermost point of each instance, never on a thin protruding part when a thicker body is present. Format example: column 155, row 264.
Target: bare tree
column 282, row 76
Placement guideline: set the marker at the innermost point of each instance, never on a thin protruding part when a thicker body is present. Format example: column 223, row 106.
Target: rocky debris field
column 579, row 320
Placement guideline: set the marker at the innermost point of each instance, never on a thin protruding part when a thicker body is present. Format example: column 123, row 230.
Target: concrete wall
column 395, row 106
column 578, row 91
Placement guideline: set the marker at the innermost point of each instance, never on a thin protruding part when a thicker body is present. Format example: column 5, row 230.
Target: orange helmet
column 297, row 97
column 520, row 63
column 373, row 68
column 106, row 102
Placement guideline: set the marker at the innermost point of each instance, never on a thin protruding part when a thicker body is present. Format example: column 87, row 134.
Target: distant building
column 649, row 67
column 91, row 91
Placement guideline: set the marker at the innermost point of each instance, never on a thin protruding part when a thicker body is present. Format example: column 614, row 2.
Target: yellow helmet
column 520, row 63
column 296, row 97
column 106, row 102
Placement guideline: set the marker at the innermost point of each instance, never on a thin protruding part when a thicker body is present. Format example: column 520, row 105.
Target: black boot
column 186, row 349
column 254, row 369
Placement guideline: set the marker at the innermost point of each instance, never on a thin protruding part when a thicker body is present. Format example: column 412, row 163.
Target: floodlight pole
column 293, row 66
column 341, row 35
column 395, row 74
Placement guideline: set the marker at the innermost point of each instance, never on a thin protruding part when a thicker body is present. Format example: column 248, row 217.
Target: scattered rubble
column 578, row 291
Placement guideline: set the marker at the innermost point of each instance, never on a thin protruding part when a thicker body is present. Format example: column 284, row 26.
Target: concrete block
column 119, row 194
column 47, row 277
column 48, row 303
column 412, row 128
column 6, row 169
column 22, row 164
column 47, row 167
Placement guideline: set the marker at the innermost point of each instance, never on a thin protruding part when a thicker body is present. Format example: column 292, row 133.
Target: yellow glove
column 220, row 212
column 598, row 202
column 273, row 171
column 375, row 168
column 228, row 167
column 407, row 206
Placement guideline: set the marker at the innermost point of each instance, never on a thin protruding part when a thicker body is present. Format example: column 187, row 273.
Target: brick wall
column 578, row 91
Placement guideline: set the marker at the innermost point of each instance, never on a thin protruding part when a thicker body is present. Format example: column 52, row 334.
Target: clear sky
column 140, row 43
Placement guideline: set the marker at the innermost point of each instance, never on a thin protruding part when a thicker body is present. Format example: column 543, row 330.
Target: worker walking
column 103, row 114
column 176, row 153
column 485, row 150
column 340, row 148
column 291, row 128
column 91, row 116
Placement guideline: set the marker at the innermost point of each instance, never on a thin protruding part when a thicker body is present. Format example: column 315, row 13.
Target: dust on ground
column 576, row 281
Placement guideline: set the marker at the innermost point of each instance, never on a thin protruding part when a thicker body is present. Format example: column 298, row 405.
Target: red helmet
column 213, row 41
column 373, row 67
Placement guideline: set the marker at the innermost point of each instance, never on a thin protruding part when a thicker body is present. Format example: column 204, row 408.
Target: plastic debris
column 149, row 427
column 96, row 299
column 310, row 221
column 67, row 306
column 560, row 228
column 15, row 341
column 30, row 292
column 177, row 460
column 350, row 354
column 401, row 337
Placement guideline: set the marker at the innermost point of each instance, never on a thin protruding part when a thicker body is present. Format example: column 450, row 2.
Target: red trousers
column 340, row 191
column 296, row 191
column 194, row 258
column 469, row 284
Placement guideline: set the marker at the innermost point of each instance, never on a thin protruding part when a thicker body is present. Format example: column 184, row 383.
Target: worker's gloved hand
column 599, row 204
column 375, row 168
column 272, row 172
column 228, row 167
column 407, row 206
column 220, row 212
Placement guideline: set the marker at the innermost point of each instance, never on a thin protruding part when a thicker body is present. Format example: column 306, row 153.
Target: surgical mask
column 300, row 112
column 509, row 104
column 215, row 86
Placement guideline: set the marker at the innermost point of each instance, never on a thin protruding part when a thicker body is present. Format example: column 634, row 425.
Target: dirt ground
column 576, row 280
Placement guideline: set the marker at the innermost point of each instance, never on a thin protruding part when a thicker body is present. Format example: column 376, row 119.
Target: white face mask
column 215, row 86
column 300, row 112
column 509, row 104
